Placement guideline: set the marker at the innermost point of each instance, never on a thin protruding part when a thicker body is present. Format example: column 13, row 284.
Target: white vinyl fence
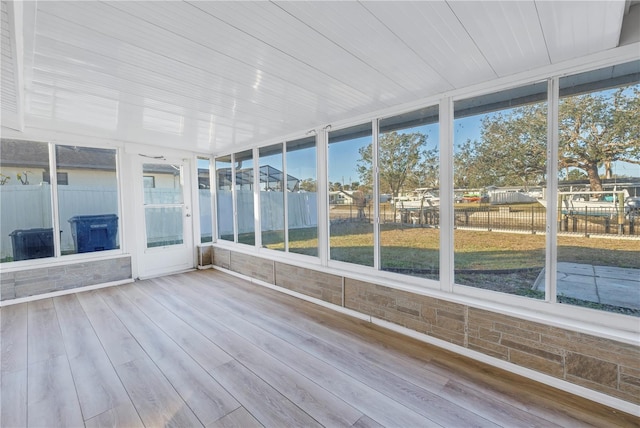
column 303, row 211
column 35, row 209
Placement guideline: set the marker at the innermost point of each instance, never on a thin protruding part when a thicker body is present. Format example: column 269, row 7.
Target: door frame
column 163, row 260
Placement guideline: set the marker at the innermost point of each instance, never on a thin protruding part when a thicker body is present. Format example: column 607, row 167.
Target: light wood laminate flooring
column 208, row 349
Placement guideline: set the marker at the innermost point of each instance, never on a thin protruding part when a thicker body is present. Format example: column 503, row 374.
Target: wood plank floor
column 208, row 349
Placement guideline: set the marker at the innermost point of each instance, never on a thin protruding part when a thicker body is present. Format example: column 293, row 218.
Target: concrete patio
column 601, row 284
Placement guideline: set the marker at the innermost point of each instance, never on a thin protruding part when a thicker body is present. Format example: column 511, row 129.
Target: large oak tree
column 596, row 130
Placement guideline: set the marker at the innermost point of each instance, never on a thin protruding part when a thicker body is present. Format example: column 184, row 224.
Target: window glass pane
column 302, row 196
column 350, row 187
column 88, row 201
column 164, row 225
column 224, row 198
column 499, row 170
column 409, row 193
column 599, row 189
column 25, row 201
column 204, row 195
column 272, row 185
column 244, row 197
column 167, row 185
column 164, row 204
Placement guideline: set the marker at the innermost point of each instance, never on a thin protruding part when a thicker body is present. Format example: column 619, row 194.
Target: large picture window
column 599, row 189
column 273, row 184
column 302, row 196
column 409, row 193
column 224, row 198
column 87, row 200
column 88, row 205
column 499, row 172
column 350, row 191
column 243, row 163
column 26, row 222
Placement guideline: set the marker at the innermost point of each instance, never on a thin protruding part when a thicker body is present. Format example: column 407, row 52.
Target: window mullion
column 234, row 198
column 285, row 197
column 446, row 195
column 55, row 216
column 551, row 264
column 375, row 124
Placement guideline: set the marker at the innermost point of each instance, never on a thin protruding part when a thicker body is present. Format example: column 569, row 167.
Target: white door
column 166, row 238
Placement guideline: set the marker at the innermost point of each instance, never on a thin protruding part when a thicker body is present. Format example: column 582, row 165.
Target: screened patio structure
column 270, row 178
column 214, row 213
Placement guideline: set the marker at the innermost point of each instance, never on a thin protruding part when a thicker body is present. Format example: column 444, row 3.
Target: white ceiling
column 215, row 76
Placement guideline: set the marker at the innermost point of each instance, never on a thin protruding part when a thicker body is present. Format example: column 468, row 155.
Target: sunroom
column 462, row 175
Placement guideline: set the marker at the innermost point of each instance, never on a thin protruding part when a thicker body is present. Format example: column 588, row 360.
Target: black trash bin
column 94, row 232
column 32, row 244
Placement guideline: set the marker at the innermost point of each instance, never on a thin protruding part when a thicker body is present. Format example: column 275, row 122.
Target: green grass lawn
column 474, row 250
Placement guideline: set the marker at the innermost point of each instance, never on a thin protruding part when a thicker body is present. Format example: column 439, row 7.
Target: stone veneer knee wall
column 603, row 365
column 40, row 280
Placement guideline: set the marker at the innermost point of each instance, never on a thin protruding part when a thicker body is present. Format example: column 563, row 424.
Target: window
column 599, row 189
column 224, row 198
column 409, row 193
column 302, row 196
column 243, row 162
column 88, row 209
column 62, row 178
column 149, row 181
column 499, row 168
column 204, row 195
column 87, row 205
column 25, row 204
column 514, row 227
column 273, row 183
column 350, row 190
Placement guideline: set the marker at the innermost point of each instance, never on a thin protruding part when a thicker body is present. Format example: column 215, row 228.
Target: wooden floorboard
column 208, row 349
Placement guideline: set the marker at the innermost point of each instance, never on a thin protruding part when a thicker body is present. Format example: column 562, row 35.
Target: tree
column 596, row 130
column 402, row 159
column 576, row 175
column 308, row 185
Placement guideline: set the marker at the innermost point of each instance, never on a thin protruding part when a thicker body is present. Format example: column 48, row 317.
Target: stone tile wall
column 316, row 284
column 33, row 281
column 603, row 365
column 221, row 258
column 435, row 317
column 205, row 255
column 253, row 267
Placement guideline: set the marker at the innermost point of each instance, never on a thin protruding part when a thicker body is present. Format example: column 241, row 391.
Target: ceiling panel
column 433, row 32
column 520, row 45
column 352, row 27
column 78, row 47
column 211, row 76
column 573, row 29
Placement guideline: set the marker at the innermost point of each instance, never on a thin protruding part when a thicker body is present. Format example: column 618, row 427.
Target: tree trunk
column 594, row 179
column 608, row 170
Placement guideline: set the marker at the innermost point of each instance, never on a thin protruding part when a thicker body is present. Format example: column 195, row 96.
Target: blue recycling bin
column 32, row 243
column 94, row 232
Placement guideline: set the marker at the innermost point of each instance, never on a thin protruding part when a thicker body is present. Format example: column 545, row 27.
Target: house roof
column 16, row 153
